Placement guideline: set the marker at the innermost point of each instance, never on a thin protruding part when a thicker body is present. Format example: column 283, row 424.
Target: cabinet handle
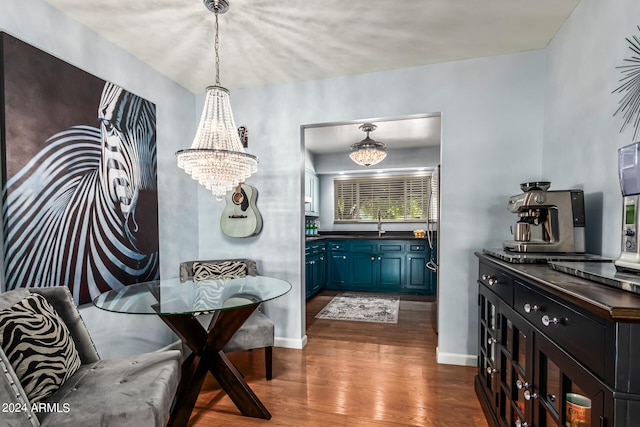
column 528, row 308
column 529, row 395
column 492, row 341
column 485, row 277
column 546, row 320
column 491, row 371
column 493, row 282
column 521, row 384
column 521, row 423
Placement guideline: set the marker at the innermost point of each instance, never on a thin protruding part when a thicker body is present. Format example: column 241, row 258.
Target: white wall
column 581, row 135
column 492, row 133
column 44, row 27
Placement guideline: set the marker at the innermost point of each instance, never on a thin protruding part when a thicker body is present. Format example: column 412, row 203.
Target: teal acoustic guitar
column 241, row 217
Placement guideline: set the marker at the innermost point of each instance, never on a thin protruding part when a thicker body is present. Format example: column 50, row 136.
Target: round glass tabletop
column 171, row 296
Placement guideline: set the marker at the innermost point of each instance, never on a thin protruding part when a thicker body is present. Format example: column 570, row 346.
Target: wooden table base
column 207, row 355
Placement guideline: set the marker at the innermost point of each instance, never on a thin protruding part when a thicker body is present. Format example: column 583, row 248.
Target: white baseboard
column 290, row 342
column 456, row 359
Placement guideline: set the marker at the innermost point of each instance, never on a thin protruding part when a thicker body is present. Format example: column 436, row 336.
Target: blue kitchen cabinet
column 315, row 268
column 338, row 269
column 382, row 265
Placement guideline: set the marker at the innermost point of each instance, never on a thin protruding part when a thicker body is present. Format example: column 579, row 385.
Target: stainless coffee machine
column 548, row 221
column 629, row 174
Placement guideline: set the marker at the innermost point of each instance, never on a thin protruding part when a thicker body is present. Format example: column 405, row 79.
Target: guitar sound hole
column 237, row 198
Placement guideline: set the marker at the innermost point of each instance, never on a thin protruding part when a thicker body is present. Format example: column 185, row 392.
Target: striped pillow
column 38, row 346
column 219, row 270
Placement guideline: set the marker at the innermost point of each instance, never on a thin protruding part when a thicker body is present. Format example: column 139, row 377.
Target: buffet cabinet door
column 516, row 369
column 488, row 343
column 566, row 394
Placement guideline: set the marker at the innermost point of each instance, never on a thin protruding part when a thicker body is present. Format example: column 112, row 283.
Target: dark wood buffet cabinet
column 545, row 337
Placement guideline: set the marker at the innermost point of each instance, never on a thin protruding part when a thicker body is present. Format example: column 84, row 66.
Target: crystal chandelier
column 368, row 152
column 217, row 158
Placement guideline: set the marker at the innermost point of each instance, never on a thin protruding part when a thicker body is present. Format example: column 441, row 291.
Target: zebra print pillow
column 219, row 270
column 38, row 346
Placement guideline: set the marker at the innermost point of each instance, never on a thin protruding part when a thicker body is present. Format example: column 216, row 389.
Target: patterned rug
column 361, row 308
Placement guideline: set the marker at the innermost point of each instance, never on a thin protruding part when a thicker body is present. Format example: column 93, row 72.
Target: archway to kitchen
column 359, row 221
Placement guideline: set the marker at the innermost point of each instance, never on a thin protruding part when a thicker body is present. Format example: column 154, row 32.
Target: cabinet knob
column 492, row 341
column 546, row 320
column 344, row 257
column 521, row 423
column 491, row 370
column 528, row 308
column 493, row 281
column 485, row 277
column 321, row 258
column 379, row 258
column 521, row 384
column 528, row 395
column 373, row 258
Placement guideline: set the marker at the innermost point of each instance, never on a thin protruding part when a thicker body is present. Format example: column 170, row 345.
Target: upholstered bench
column 51, row 374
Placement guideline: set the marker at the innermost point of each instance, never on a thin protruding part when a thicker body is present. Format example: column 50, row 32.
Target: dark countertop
column 542, row 258
column 603, row 300
column 365, row 235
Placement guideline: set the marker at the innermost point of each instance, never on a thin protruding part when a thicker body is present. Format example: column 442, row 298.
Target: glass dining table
column 178, row 303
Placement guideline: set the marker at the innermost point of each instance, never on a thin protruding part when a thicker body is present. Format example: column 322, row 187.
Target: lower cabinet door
column 339, row 272
column 390, row 271
column 362, row 271
column 417, row 272
column 565, row 394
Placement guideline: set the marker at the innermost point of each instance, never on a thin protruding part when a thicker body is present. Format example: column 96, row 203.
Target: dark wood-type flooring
column 353, row 374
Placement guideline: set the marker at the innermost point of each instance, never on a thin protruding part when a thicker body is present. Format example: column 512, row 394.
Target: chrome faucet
column 380, row 230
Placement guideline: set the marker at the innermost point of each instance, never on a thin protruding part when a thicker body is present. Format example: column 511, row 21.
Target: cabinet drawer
column 338, row 246
column 367, row 248
column 498, row 282
column 390, row 248
column 581, row 336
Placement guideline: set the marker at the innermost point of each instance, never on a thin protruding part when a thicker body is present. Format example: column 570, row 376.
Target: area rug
column 361, row 308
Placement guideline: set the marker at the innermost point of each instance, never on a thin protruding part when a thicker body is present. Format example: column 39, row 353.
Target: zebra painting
column 83, row 211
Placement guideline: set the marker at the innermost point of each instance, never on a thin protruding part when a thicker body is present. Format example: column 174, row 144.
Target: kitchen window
column 406, row 198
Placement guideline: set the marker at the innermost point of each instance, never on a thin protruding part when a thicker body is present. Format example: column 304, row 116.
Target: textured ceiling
column 265, row 42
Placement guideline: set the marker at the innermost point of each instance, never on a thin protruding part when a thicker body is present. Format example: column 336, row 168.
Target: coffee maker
column 629, row 174
column 548, row 221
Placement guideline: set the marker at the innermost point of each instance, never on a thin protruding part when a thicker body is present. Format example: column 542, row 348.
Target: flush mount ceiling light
column 217, row 158
column 368, row 152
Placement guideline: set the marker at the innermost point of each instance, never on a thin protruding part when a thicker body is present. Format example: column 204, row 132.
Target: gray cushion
column 133, row 391
column 256, row 332
column 38, row 346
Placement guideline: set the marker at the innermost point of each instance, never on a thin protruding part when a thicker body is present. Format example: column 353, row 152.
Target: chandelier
column 368, row 152
column 217, row 158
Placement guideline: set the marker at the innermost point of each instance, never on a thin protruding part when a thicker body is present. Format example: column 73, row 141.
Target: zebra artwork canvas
column 80, row 204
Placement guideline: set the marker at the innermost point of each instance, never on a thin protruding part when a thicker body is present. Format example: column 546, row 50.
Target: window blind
column 394, row 198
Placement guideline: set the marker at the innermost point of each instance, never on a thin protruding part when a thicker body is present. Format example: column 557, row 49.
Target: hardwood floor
column 355, row 374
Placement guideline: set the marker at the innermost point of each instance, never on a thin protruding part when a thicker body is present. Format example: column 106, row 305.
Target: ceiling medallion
column 368, row 152
column 217, row 158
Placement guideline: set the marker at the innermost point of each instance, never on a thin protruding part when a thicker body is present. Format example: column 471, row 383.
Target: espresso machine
column 629, row 174
column 548, row 221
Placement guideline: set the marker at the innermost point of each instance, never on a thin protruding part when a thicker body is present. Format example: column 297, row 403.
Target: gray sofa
column 131, row 391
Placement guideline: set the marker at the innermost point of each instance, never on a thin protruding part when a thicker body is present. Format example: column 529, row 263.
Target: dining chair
column 258, row 330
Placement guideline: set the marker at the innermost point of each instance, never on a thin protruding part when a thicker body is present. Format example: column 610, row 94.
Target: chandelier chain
column 217, row 48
